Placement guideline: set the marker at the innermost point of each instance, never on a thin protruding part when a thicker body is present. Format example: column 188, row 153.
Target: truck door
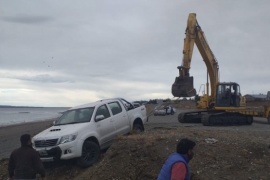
column 120, row 118
column 105, row 126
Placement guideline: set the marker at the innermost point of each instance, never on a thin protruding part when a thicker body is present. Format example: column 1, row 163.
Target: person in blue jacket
column 176, row 165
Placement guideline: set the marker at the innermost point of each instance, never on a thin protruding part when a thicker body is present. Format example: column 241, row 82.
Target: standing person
column 176, row 166
column 166, row 109
column 24, row 162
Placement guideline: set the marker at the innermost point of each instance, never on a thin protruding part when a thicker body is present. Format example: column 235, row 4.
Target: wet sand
column 10, row 135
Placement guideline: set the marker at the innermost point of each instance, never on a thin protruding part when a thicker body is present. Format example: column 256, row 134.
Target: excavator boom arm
column 183, row 86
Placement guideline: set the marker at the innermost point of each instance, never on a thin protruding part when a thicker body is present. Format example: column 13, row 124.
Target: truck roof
column 93, row 104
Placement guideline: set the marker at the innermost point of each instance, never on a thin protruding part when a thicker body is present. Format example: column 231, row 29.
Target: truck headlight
column 67, row 138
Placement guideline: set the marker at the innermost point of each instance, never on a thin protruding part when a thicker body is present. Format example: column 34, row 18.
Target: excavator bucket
column 183, row 87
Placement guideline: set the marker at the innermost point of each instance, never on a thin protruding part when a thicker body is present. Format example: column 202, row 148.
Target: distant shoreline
column 10, row 134
column 27, row 123
column 1, row 106
column 7, row 106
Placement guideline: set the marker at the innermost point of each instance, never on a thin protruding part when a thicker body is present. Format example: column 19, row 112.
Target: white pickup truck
column 83, row 131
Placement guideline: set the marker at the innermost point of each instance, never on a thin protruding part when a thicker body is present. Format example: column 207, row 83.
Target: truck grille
column 46, row 143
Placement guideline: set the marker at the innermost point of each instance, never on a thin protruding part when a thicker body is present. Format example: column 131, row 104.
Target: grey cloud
column 44, row 78
column 95, row 46
column 27, row 19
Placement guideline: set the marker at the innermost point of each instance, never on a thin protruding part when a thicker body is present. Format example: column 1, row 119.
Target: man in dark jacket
column 176, row 166
column 24, row 162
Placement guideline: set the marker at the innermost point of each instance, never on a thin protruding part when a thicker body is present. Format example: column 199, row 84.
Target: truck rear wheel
column 90, row 154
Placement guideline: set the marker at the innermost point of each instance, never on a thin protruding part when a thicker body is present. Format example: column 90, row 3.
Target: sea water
column 19, row 115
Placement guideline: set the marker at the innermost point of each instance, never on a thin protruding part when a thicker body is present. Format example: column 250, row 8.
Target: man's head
column 25, row 139
column 185, row 146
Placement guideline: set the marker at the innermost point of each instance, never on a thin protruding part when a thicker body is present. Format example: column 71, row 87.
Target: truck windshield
column 75, row 116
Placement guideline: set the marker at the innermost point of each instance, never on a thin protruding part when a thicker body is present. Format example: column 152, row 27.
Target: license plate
column 43, row 153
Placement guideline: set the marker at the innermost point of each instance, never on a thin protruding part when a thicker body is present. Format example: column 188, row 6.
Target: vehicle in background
column 83, row 131
column 136, row 104
column 164, row 110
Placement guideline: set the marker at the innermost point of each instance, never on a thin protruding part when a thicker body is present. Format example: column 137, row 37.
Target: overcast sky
column 67, row 53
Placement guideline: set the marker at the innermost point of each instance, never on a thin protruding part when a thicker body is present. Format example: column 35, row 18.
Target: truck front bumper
column 62, row 151
column 52, row 154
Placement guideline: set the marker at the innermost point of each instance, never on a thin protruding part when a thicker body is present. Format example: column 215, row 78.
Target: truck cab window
column 103, row 110
column 115, row 108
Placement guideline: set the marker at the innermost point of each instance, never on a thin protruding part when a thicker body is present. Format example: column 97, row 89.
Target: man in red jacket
column 24, row 162
column 176, row 166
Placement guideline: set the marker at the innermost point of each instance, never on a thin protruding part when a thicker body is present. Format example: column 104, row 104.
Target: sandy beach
column 10, row 135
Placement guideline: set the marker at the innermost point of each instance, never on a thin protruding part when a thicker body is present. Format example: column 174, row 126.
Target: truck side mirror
column 54, row 122
column 99, row 117
column 129, row 106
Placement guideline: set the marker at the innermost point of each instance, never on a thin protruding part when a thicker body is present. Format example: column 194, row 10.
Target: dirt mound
column 234, row 155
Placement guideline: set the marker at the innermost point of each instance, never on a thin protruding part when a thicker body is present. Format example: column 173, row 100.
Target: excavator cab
column 228, row 95
column 183, row 87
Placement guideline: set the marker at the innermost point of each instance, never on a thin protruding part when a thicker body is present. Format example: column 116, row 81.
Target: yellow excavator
column 222, row 104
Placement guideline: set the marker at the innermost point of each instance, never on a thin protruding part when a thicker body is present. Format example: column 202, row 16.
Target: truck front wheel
column 137, row 128
column 90, row 154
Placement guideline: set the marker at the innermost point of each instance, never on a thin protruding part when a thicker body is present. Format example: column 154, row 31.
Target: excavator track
column 226, row 119
column 191, row 117
column 215, row 118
